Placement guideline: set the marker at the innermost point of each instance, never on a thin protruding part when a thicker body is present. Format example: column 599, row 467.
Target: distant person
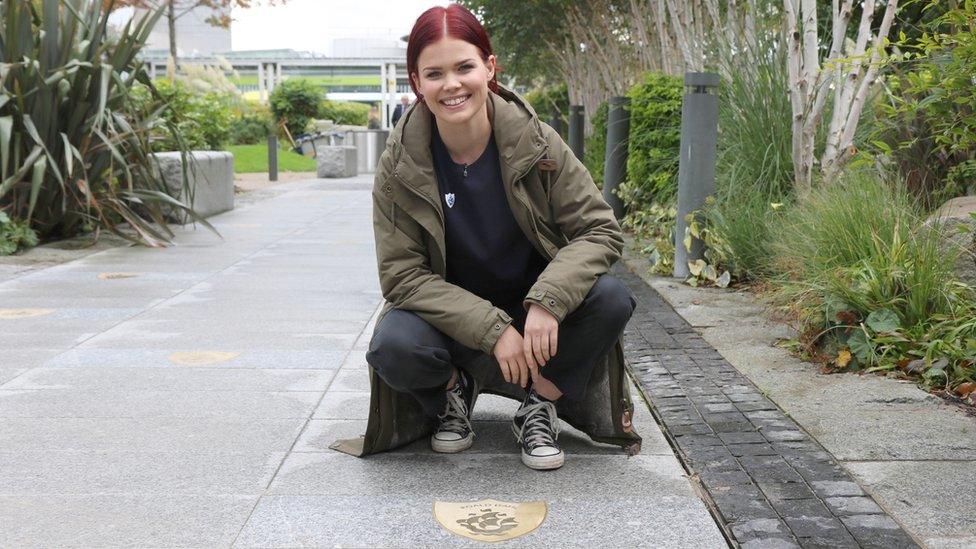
column 493, row 248
column 401, row 108
column 373, row 121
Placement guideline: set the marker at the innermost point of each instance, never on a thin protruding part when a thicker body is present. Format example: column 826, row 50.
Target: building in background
column 194, row 36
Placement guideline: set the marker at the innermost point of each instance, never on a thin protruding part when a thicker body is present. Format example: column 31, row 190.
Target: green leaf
column 862, row 348
column 710, row 273
column 6, row 129
column 696, row 266
column 883, row 320
column 37, row 179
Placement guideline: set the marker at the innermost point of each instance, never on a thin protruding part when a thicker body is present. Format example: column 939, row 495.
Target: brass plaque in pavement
column 489, row 519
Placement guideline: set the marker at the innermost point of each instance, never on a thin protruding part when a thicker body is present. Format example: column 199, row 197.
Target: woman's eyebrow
column 459, row 63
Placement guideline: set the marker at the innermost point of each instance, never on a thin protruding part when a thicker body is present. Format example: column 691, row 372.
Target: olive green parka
column 563, row 215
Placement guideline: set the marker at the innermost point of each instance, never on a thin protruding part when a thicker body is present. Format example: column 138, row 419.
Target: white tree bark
column 810, row 83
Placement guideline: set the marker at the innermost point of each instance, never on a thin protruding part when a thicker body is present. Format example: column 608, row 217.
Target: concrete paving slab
column 351, row 380
column 27, row 358
column 143, row 520
column 472, row 474
column 149, row 334
column 136, row 358
column 57, row 472
column 30, row 341
column 173, row 379
column 7, row 374
column 932, row 498
column 343, row 405
column 54, row 403
column 381, row 521
column 151, row 435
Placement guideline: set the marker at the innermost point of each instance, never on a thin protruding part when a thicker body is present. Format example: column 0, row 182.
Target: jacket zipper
column 526, row 204
column 430, row 201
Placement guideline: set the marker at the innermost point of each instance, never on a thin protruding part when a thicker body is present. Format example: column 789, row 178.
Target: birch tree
column 847, row 74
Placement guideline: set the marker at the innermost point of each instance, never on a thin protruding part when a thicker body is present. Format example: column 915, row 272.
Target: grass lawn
column 254, row 158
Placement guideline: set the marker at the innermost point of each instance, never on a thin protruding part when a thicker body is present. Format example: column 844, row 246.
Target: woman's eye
column 466, row 67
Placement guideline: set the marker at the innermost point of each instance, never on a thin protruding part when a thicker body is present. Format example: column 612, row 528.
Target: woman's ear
column 490, row 63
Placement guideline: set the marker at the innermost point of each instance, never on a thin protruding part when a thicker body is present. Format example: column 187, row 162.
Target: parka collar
column 514, row 123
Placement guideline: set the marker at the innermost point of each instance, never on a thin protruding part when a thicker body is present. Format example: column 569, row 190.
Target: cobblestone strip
column 771, row 483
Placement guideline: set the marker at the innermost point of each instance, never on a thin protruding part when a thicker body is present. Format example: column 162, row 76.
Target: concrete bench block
column 211, row 175
column 335, row 161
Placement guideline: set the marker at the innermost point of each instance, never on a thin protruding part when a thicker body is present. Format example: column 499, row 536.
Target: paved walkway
column 187, row 397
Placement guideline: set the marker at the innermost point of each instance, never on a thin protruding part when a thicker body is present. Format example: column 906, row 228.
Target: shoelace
column 457, row 411
column 538, row 426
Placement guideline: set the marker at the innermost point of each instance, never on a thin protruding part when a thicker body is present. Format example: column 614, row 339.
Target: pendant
column 449, row 198
column 465, row 174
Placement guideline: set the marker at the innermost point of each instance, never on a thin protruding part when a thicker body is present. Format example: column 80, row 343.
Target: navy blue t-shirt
column 487, row 252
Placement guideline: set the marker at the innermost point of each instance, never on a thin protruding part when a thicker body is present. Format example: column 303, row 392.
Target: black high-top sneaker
column 536, row 427
column 455, row 433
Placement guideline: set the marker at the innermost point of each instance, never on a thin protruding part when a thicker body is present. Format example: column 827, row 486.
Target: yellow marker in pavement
column 202, row 358
column 23, row 313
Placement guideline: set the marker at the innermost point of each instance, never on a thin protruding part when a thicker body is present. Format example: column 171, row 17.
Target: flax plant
column 73, row 155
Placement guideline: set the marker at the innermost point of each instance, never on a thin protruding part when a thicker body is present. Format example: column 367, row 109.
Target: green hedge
column 655, row 139
column 552, row 98
column 296, row 101
column 251, row 125
column 204, row 121
column 344, row 112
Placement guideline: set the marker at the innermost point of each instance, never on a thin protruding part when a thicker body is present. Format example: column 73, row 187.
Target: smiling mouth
column 456, row 101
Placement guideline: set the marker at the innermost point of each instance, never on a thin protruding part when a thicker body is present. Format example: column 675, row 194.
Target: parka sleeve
column 588, row 223
column 408, row 283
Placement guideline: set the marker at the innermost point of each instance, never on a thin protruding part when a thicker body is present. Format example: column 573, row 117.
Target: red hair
column 454, row 21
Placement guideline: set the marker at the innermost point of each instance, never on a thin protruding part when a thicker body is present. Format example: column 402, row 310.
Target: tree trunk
column 171, row 22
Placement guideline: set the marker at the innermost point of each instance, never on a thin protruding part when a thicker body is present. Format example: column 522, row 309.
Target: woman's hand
column 511, row 358
column 541, row 335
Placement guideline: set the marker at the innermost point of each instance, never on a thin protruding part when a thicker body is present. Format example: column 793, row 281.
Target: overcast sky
column 310, row 24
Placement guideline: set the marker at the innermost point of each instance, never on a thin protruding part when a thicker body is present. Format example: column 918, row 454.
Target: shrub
column 15, row 235
column 865, row 282
column 655, row 139
column 754, row 166
column 344, row 112
column 928, row 116
column 203, row 120
column 549, row 99
column 653, row 229
column 250, row 126
column 296, row 101
column 595, row 148
column 74, row 148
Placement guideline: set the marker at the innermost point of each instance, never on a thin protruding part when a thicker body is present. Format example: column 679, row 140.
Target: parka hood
column 515, row 126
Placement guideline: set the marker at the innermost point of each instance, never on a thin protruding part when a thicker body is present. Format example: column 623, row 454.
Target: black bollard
column 272, row 157
column 696, row 168
column 556, row 121
column 615, row 168
column 576, row 130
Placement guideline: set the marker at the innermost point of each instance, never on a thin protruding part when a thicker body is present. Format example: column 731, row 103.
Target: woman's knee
column 404, row 349
column 613, row 300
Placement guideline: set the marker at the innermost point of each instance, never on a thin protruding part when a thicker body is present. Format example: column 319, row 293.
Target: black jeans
column 414, row 357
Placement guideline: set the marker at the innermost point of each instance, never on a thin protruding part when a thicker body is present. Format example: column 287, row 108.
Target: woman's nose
column 451, row 81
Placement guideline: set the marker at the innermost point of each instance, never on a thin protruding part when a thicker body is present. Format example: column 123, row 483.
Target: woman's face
column 453, row 79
